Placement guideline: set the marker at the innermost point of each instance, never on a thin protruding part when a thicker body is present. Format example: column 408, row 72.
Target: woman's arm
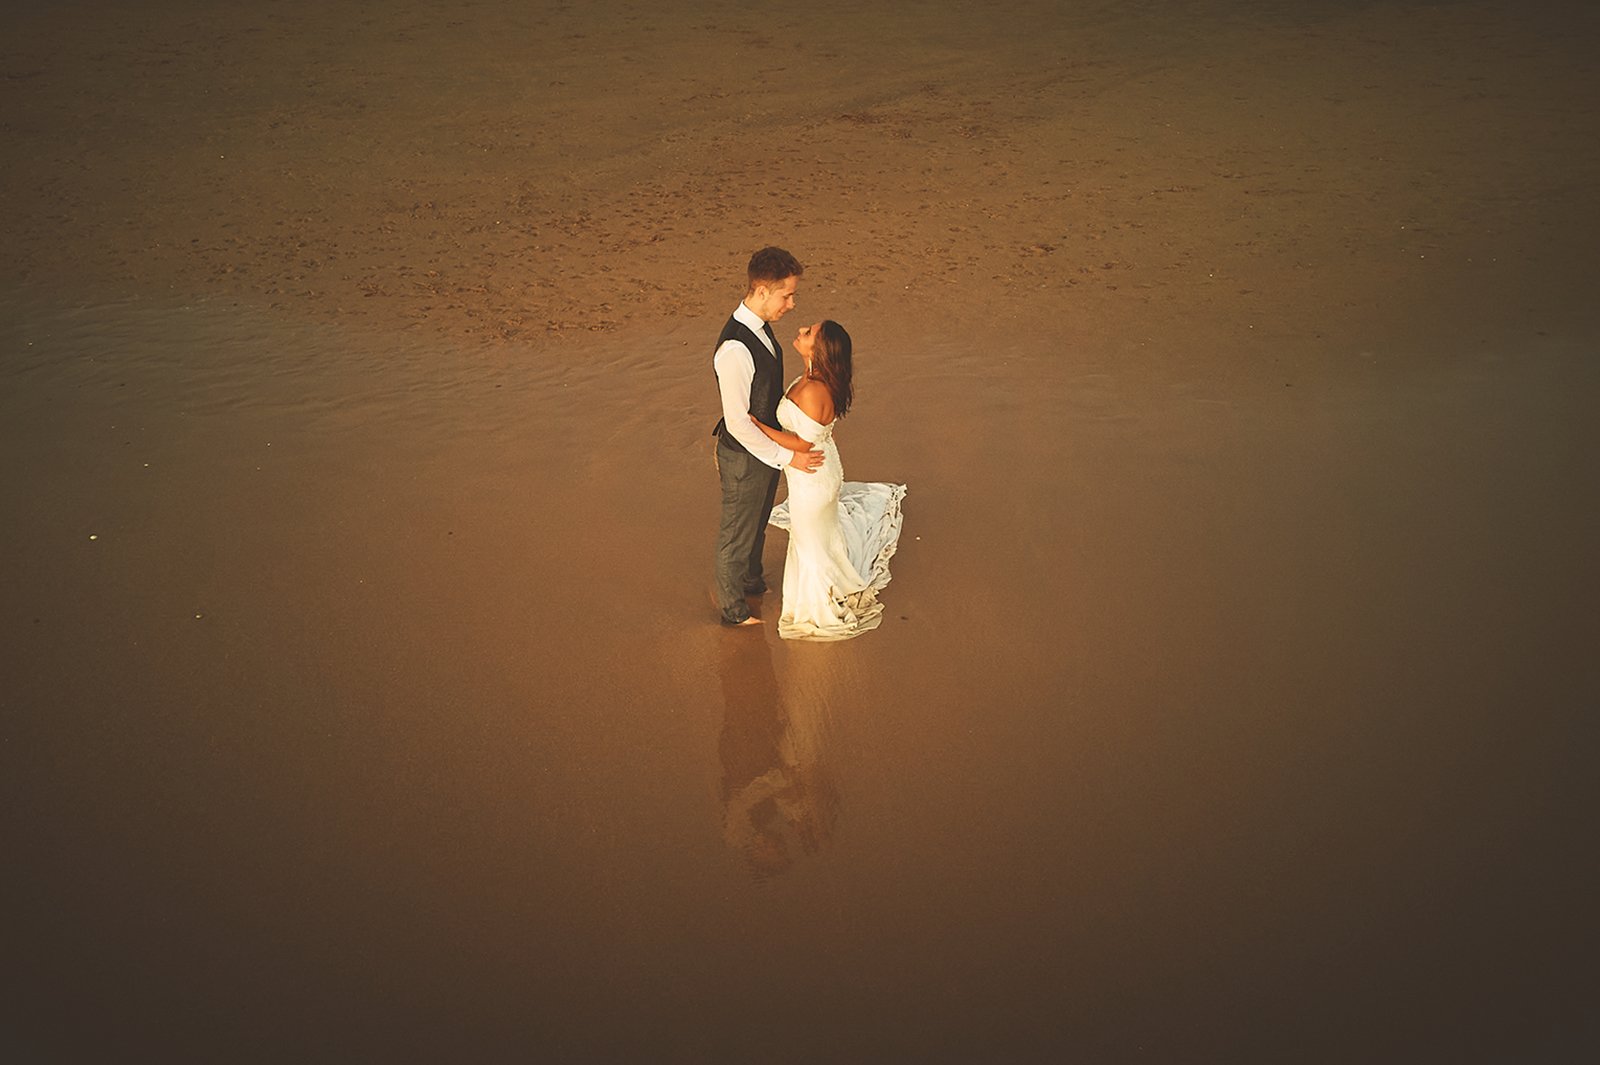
column 792, row 441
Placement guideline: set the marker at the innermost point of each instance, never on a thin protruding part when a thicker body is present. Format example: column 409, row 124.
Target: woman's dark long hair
column 830, row 364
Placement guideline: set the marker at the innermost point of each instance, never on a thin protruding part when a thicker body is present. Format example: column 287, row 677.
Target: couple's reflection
column 776, row 790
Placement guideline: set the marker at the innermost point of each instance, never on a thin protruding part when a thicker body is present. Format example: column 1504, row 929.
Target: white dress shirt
column 736, row 370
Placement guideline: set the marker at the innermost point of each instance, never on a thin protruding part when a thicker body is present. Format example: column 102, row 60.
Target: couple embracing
column 841, row 533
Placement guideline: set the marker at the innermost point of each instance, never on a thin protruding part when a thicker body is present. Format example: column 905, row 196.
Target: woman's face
column 805, row 341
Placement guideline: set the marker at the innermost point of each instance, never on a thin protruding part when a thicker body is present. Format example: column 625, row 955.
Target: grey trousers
column 748, row 488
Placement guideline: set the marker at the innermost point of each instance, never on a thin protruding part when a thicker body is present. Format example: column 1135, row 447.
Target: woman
column 841, row 534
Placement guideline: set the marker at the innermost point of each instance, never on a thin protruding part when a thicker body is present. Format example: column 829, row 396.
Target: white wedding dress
column 841, row 537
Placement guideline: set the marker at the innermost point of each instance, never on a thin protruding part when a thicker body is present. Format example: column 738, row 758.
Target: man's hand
column 807, row 461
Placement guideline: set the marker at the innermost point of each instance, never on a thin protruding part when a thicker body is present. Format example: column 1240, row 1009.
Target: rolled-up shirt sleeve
column 735, row 372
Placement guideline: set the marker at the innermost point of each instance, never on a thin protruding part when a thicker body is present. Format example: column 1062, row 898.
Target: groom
column 749, row 365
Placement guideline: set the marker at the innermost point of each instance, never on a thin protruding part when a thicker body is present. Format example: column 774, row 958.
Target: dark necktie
column 766, row 327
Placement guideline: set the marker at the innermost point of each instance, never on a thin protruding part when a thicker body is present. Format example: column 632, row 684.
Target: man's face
column 773, row 301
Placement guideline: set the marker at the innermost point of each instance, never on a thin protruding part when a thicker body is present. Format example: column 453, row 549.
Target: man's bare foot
column 747, row 622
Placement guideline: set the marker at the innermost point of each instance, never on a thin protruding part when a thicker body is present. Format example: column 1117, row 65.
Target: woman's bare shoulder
column 814, row 398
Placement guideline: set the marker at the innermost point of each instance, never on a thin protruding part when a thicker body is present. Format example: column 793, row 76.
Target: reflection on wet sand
column 773, row 746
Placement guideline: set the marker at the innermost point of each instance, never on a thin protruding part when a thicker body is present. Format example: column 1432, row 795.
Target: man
column 749, row 366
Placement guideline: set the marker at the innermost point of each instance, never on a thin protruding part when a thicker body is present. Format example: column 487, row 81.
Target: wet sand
column 361, row 697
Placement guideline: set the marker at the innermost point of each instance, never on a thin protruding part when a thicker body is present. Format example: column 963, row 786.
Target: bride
column 841, row 533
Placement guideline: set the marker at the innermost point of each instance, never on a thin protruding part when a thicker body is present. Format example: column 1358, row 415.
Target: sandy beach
column 360, row 697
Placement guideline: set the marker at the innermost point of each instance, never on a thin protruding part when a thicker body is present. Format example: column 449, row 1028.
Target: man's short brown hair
column 771, row 265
